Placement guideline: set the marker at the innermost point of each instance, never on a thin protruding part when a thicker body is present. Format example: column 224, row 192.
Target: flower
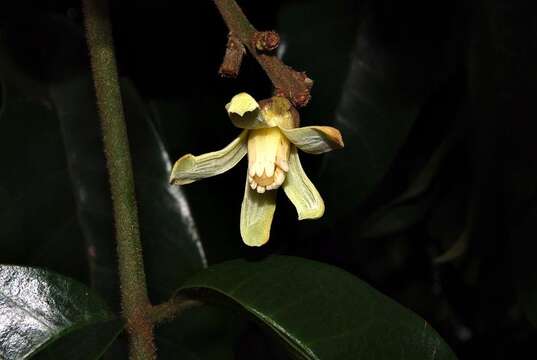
column 270, row 137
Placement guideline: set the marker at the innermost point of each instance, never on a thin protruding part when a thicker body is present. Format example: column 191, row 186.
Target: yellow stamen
column 268, row 152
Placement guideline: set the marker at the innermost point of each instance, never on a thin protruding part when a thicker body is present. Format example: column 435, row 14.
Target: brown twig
column 233, row 58
column 287, row 82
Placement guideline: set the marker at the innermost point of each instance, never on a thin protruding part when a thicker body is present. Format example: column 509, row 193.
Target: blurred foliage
column 432, row 201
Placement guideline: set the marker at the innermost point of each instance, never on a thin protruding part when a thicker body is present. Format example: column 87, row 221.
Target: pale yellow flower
column 270, row 137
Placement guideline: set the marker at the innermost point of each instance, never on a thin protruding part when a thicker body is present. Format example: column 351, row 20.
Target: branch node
column 172, row 308
column 287, row 82
column 235, row 52
column 266, row 41
column 300, row 95
column 301, row 99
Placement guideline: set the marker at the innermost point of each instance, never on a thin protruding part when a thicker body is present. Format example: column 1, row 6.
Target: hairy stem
column 287, row 82
column 134, row 300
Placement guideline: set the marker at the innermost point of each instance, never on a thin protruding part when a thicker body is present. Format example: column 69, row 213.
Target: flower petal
column 257, row 212
column 315, row 139
column 301, row 191
column 190, row 168
column 245, row 113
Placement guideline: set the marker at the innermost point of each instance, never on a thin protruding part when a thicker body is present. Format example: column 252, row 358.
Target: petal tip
column 185, row 162
column 241, row 104
column 254, row 244
column 339, row 138
column 255, row 238
column 311, row 214
column 335, row 136
column 315, row 139
column 257, row 212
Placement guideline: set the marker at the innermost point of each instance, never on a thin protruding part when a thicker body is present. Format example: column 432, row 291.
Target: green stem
column 134, row 300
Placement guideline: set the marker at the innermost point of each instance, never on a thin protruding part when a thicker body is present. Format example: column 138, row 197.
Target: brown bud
column 301, row 99
column 266, row 40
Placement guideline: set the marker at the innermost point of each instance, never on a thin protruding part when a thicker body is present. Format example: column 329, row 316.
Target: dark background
column 436, row 105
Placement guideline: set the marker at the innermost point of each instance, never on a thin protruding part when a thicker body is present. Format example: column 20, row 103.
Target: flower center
column 268, row 153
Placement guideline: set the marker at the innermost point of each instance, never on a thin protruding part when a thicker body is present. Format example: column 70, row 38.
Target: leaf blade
column 320, row 311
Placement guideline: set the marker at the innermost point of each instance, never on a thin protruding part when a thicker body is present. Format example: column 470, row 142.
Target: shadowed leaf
column 319, row 311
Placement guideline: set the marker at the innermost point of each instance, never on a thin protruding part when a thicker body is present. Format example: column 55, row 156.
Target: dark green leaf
column 216, row 212
column 200, row 333
column 319, row 311
column 67, row 101
column 172, row 249
column 43, row 314
column 34, row 180
column 88, row 342
column 396, row 65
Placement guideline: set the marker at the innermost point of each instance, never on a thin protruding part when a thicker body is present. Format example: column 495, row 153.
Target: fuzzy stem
column 134, row 300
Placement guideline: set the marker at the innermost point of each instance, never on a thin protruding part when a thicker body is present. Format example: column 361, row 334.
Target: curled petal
column 191, row 168
column 315, row 139
column 257, row 212
column 245, row 113
column 300, row 190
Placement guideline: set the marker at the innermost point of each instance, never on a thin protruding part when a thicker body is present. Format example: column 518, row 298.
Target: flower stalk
column 134, row 300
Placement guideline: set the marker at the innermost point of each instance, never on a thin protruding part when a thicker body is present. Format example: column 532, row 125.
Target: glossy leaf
column 213, row 208
column 168, row 231
column 171, row 244
column 87, row 173
column 44, row 315
column 319, row 311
